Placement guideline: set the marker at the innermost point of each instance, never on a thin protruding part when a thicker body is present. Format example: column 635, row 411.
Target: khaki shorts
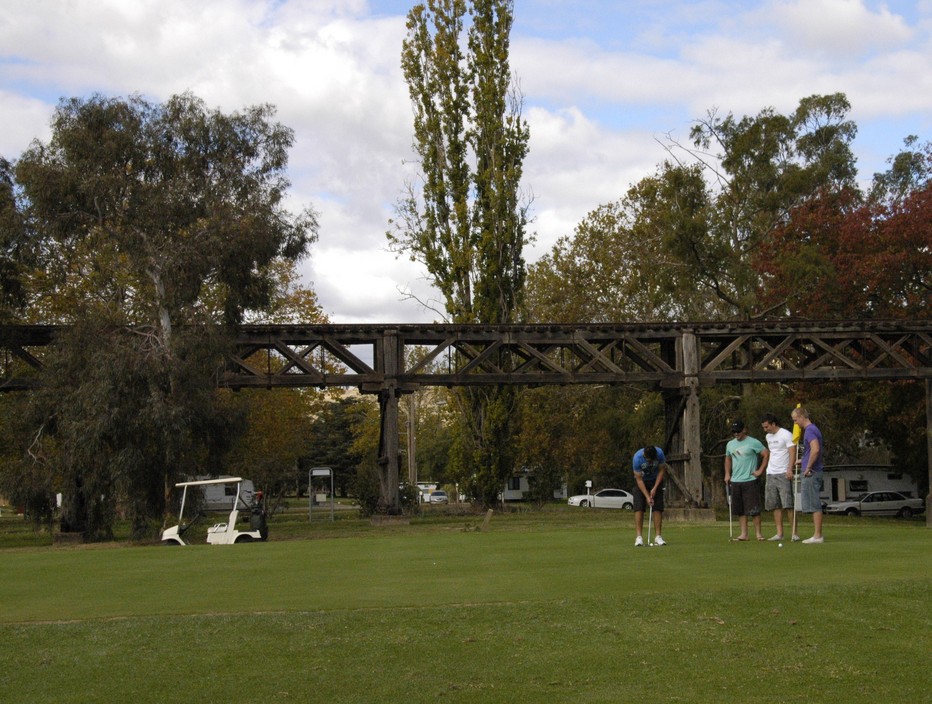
column 778, row 492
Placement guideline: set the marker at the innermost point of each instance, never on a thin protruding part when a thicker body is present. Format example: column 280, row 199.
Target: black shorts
column 640, row 502
column 745, row 498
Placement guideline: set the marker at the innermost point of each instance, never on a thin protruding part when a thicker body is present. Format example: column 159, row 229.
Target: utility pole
column 412, row 440
column 929, row 450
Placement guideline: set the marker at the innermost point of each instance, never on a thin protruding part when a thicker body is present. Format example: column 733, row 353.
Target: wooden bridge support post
column 389, row 361
column 681, row 410
column 388, row 452
column 692, row 442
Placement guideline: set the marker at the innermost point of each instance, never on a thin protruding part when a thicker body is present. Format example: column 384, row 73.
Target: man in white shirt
column 778, row 494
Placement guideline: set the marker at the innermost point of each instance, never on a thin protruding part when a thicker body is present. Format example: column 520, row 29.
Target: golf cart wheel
column 853, row 512
column 244, row 539
column 169, row 542
column 906, row 512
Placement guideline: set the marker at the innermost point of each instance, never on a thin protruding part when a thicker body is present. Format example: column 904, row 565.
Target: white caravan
column 222, row 497
column 219, row 533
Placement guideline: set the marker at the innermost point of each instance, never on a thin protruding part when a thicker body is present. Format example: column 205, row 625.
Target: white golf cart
column 220, row 533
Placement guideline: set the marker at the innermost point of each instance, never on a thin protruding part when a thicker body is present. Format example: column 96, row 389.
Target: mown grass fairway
column 564, row 610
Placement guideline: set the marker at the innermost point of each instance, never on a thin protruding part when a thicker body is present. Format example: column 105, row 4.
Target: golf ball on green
column 780, row 545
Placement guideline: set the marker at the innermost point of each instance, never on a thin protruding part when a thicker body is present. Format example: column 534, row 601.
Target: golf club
column 796, row 502
column 730, row 528
column 650, row 517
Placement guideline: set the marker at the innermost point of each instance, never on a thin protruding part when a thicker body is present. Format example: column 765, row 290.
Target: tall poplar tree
column 467, row 222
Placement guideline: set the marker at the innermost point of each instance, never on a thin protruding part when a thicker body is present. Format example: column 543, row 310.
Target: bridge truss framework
column 675, row 358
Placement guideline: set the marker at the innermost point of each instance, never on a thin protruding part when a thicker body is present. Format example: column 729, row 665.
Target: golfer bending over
column 650, row 467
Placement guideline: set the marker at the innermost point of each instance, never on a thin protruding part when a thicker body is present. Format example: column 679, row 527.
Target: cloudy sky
column 605, row 85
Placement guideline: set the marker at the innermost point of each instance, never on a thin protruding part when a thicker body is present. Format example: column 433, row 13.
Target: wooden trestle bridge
column 675, row 358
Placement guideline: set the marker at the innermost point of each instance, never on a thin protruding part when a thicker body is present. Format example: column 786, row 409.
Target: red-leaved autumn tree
column 843, row 256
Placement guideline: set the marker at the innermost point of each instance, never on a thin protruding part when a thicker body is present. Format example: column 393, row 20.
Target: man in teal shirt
column 745, row 460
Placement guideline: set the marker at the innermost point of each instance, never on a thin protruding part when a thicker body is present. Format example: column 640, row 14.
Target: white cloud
column 840, row 29
column 599, row 95
column 563, row 70
column 23, row 119
column 896, row 83
column 371, row 286
column 575, row 164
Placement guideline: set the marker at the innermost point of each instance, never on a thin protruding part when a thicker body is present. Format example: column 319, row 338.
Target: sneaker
column 814, row 540
column 638, row 542
column 659, row 541
column 775, row 538
column 796, row 538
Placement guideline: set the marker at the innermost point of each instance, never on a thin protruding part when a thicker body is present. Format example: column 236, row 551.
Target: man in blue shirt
column 811, row 467
column 650, row 467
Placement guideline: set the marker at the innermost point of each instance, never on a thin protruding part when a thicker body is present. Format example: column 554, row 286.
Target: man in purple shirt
column 811, row 467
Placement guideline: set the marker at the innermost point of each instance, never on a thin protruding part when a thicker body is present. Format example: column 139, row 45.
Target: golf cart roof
column 221, row 480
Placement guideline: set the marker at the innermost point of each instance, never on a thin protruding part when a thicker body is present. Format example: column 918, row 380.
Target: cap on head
column 737, row 426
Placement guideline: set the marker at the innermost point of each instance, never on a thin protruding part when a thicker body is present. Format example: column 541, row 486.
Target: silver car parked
column 878, row 503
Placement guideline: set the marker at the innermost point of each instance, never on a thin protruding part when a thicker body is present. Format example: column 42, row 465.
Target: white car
column 438, row 497
column 606, row 498
column 878, row 503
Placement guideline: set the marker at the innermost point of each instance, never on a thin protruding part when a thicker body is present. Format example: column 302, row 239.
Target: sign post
column 318, row 472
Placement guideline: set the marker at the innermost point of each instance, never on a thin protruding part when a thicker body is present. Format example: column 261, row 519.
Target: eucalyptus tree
column 156, row 225
column 467, row 221
column 758, row 169
column 910, row 172
column 620, row 263
column 686, row 241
